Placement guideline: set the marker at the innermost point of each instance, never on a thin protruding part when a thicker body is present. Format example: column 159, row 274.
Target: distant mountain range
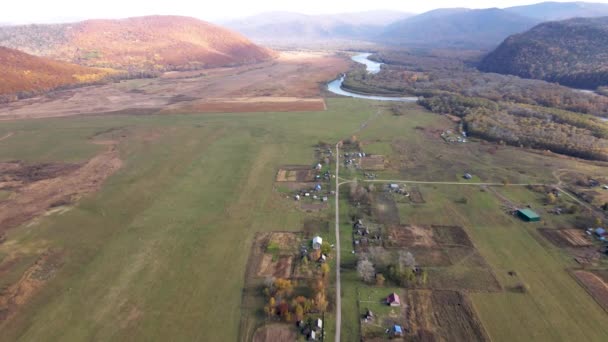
column 572, row 52
column 24, row 74
column 153, row 43
column 546, row 11
column 273, row 26
column 456, row 28
column 442, row 28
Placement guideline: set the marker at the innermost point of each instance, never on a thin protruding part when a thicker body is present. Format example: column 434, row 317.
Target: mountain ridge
column 571, row 52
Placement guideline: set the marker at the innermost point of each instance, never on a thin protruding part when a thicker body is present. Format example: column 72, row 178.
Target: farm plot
column 416, row 195
column 427, row 236
column 441, row 316
column 574, row 238
column 447, row 254
column 296, row 173
column 385, row 209
column 373, row 163
column 274, row 332
column 595, row 283
column 272, row 254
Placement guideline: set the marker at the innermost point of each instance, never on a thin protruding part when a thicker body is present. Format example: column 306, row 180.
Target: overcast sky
column 32, row 11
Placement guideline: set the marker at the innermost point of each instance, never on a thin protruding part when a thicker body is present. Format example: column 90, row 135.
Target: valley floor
column 160, row 251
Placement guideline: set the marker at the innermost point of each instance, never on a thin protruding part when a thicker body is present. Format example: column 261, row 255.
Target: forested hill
column 152, row 43
column 25, row 75
column 571, row 52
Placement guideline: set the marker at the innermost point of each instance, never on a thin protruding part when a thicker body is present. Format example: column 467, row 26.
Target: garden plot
column 447, row 254
column 296, row 173
column 596, row 283
column 562, row 238
column 441, row 316
column 373, row 163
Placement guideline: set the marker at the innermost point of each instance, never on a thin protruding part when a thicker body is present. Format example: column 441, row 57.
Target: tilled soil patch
column 441, row 316
column 595, row 285
column 566, row 237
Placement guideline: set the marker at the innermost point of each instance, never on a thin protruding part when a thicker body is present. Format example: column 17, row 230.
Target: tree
column 406, row 260
column 299, row 312
column 325, row 248
column 283, row 286
column 325, row 270
column 380, row 279
column 320, row 301
column 366, row 270
column 551, row 198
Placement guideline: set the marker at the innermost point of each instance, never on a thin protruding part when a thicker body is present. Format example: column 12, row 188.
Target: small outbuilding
column 528, row 215
column 317, row 241
column 393, row 300
column 397, row 330
column 318, row 324
column 312, row 336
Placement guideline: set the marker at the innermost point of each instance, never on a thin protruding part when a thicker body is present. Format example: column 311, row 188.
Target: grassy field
column 160, row 252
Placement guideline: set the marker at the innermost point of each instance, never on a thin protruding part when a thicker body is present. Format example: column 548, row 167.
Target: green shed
column 528, row 215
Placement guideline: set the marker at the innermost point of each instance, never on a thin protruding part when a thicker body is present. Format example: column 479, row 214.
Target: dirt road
column 338, row 250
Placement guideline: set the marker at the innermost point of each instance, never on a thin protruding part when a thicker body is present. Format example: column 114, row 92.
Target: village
column 404, row 269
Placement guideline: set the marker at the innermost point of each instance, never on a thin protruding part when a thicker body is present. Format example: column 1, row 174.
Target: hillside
column 276, row 26
column 572, row 52
column 546, row 11
column 456, row 28
column 142, row 43
column 24, row 74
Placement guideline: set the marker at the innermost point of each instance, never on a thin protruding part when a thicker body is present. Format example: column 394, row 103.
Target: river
column 372, row 67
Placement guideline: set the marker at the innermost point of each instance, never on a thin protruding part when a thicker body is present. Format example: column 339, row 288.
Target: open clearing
column 289, row 83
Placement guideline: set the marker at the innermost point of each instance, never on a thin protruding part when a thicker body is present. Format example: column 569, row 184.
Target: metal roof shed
column 528, row 215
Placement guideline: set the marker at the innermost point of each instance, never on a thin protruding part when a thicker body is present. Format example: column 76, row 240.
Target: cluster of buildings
column 398, row 189
column 600, row 233
column 353, row 158
column 363, row 236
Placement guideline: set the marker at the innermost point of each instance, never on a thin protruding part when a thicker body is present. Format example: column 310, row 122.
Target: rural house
column 393, row 300
column 528, row 215
column 317, row 241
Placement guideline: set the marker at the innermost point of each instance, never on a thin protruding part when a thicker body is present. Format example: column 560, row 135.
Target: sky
column 41, row 11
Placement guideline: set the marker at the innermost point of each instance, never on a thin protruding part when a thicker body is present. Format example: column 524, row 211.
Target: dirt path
column 10, row 134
